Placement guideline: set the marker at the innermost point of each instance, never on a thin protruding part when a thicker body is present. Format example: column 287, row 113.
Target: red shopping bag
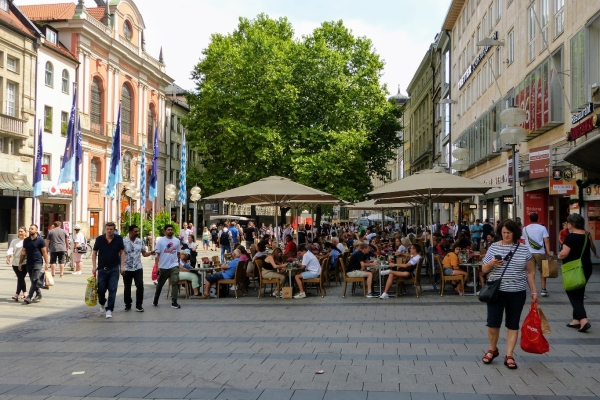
column 155, row 272
column 532, row 338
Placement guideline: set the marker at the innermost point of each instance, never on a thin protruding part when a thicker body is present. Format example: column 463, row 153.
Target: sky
column 401, row 30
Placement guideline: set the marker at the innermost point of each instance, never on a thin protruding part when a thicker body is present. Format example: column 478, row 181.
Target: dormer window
column 4, row 5
column 51, row 35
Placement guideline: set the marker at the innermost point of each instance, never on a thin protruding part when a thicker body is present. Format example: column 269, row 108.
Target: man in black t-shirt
column 214, row 234
column 250, row 234
column 35, row 249
column 357, row 267
column 302, row 237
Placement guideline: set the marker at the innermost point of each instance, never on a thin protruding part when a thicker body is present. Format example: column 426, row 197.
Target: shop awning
column 9, row 189
column 585, row 155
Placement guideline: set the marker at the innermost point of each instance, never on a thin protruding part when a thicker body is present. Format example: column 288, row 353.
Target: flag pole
column 73, row 194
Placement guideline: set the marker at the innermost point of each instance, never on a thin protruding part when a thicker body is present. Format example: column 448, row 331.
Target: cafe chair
column 228, row 257
column 185, row 284
column 415, row 280
column 448, row 278
column 216, row 261
column 321, row 277
column 353, row 281
column 251, row 275
column 237, row 281
column 262, row 282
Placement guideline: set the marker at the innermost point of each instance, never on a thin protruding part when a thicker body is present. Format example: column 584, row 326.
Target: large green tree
column 311, row 109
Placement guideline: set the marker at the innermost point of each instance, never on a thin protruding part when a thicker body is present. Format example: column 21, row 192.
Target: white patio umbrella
column 370, row 205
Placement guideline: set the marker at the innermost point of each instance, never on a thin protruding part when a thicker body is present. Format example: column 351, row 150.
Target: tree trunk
column 318, row 219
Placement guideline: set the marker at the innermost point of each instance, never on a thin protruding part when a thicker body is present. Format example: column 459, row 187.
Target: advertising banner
column 562, row 182
column 536, row 202
column 539, row 162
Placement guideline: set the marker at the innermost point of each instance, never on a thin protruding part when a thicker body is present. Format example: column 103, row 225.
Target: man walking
column 134, row 249
column 250, row 234
column 225, row 243
column 35, row 250
column 537, row 240
column 57, row 242
column 167, row 259
column 476, row 231
column 79, row 244
column 110, row 253
column 235, row 234
column 486, row 229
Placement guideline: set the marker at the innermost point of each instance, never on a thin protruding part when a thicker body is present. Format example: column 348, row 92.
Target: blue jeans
column 108, row 279
column 224, row 249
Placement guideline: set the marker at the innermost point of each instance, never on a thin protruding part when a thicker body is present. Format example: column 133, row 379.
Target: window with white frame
column 49, row 78
column 48, row 119
column 498, row 9
column 446, row 116
column 12, row 64
column 51, row 36
column 544, row 21
column 491, row 19
column 491, row 65
column 47, row 160
column 531, row 33
column 4, row 5
column 65, row 81
column 499, row 61
column 11, row 147
column 11, row 99
column 447, row 67
column 479, row 32
column 484, row 77
column 64, row 123
column 559, row 17
column 511, row 46
column 484, row 30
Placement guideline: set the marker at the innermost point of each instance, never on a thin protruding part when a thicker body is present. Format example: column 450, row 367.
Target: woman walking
column 14, row 251
column 206, row 236
column 519, row 272
column 577, row 245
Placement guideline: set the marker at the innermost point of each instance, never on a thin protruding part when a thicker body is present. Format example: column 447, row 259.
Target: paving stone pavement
column 248, row 348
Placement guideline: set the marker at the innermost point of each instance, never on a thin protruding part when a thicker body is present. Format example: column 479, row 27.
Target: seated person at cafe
column 186, row 275
column 373, row 248
column 350, row 238
column 334, row 253
column 312, row 266
column 463, row 241
column 273, row 267
column 384, row 238
column 261, row 252
column 450, row 264
column 403, row 250
column 227, row 272
column 246, row 256
column 336, row 242
column 290, row 248
column 403, row 271
column 357, row 267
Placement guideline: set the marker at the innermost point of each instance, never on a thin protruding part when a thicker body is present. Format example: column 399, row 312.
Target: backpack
column 224, row 239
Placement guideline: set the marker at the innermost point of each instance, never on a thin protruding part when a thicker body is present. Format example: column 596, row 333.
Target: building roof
column 13, row 20
column 453, row 14
column 58, row 11
column 175, row 89
column 62, row 50
column 399, row 98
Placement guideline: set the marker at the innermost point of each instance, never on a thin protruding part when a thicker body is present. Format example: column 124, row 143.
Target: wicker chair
column 353, row 281
column 185, row 284
column 262, row 282
column 237, row 281
column 321, row 277
column 415, row 280
column 448, row 278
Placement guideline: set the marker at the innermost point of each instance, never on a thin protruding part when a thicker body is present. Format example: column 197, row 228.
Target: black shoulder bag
column 489, row 292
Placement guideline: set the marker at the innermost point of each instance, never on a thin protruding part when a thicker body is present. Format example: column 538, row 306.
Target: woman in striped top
column 520, row 272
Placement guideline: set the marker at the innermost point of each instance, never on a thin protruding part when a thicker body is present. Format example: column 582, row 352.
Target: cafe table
column 289, row 270
column 474, row 266
column 379, row 267
column 203, row 271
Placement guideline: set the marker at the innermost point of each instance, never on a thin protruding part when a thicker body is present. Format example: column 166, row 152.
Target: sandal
column 510, row 363
column 205, row 296
column 15, row 297
column 488, row 360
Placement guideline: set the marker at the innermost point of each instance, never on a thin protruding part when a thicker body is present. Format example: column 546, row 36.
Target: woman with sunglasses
column 515, row 261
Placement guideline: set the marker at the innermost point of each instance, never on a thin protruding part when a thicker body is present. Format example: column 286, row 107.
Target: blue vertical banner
column 182, row 172
column 68, row 167
column 39, row 159
column 115, row 175
column 154, row 174
column 143, row 179
column 78, row 155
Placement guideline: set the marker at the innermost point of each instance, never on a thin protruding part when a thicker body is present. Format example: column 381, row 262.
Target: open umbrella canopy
column 234, row 217
column 377, row 217
column 430, row 184
column 274, row 190
column 371, row 205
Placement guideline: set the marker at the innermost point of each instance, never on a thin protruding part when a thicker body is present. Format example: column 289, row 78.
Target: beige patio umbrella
column 370, row 205
column 275, row 191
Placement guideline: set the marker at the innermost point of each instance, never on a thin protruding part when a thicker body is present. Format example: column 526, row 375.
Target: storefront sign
column 562, row 182
column 67, row 226
column 576, row 118
column 536, row 202
column 507, row 199
column 539, row 162
column 592, row 192
column 532, row 95
column 475, row 62
column 53, row 191
column 583, row 128
column 45, row 169
column 574, row 208
column 473, row 206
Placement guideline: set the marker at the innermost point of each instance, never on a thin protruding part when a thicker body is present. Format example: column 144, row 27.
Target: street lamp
column 133, row 194
column 18, row 181
column 170, row 195
column 513, row 134
column 195, row 197
column 462, row 155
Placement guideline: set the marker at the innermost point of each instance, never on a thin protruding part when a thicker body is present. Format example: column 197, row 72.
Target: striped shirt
column 515, row 278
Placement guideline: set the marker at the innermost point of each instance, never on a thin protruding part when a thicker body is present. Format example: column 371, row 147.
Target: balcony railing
column 153, row 61
column 128, row 44
column 12, row 126
column 98, row 24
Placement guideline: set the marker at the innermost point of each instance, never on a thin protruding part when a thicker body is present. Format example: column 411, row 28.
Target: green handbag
column 572, row 272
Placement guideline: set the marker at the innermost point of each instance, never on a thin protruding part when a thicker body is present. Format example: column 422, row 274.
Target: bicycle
column 69, row 262
column 88, row 250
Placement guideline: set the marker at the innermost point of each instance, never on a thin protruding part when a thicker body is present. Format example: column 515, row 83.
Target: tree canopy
column 310, row 109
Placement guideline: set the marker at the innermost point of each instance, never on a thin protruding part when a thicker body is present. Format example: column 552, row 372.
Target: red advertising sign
column 532, row 96
column 539, row 162
column 536, row 202
column 45, row 169
column 586, row 126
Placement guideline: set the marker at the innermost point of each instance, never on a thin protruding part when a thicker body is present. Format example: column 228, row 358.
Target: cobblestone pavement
column 248, row 348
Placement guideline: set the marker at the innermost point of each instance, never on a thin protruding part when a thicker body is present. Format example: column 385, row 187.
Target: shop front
column 497, row 204
column 55, row 205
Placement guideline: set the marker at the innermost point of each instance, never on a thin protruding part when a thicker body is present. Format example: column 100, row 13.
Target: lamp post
column 513, row 134
column 170, row 195
column 195, row 197
column 18, row 181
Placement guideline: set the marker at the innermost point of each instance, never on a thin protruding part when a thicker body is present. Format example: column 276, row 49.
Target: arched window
column 94, row 167
column 126, row 111
column 150, row 143
column 49, row 74
column 126, row 165
column 96, row 108
column 65, row 81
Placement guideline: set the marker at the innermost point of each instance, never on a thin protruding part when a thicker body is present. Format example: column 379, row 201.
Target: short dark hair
column 110, row 224
column 36, row 227
column 132, row 227
column 302, row 247
column 168, row 226
column 533, row 217
column 261, row 246
column 57, row 224
column 363, row 246
column 576, row 221
column 511, row 226
column 193, row 237
column 417, row 247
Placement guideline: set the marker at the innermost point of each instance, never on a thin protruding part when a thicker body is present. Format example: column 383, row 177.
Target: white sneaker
column 386, row 272
column 300, row 295
column 102, row 309
column 469, row 284
column 108, row 314
column 384, row 296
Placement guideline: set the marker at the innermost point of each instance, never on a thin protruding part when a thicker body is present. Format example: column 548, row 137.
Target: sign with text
column 539, row 162
column 45, row 169
column 562, row 182
column 536, row 202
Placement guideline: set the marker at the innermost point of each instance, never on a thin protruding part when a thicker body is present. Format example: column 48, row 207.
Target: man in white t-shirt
column 370, row 235
column 537, row 240
column 312, row 266
column 167, row 259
